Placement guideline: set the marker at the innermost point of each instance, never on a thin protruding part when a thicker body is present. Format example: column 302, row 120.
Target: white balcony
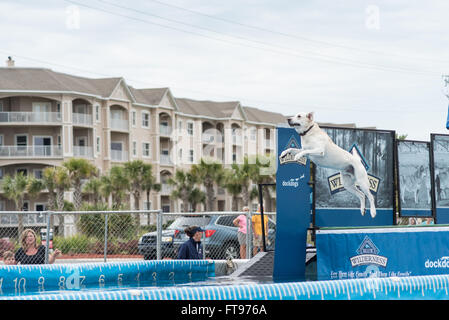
column 165, row 159
column 165, row 130
column 267, row 143
column 119, row 124
column 119, row 155
column 166, row 189
column 30, row 151
column 237, row 140
column 83, row 119
column 83, row 152
column 30, row 117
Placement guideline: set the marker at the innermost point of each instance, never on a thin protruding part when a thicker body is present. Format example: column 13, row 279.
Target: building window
column 1, row 140
column 145, row 120
column 58, row 111
column 190, row 128
column 191, row 155
column 98, row 144
column 134, row 118
column 146, row 149
column 97, row 113
column 22, row 140
column 180, row 154
column 180, row 125
column 134, row 148
column 38, row 173
column 253, row 134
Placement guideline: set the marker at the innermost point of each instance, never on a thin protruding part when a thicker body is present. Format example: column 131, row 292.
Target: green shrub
column 73, row 245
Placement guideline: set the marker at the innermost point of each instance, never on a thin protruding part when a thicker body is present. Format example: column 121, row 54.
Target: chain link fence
column 86, row 236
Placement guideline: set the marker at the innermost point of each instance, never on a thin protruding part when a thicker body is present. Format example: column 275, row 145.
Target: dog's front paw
column 298, row 156
column 284, row 154
column 289, row 151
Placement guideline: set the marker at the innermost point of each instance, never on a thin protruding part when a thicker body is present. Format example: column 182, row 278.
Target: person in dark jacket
column 192, row 248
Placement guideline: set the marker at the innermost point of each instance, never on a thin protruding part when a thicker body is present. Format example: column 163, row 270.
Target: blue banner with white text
column 293, row 209
column 382, row 252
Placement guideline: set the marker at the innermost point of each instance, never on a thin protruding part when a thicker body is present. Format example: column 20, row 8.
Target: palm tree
column 79, row 169
column 196, row 196
column 34, row 187
column 233, row 183
column 265, row 172
column 243, row 174
column 210, row 173
column 115, row 184
column 48, row 179
column 61, row 183
column 93, row 186
column 183, row 183
column 138, row 173
column 14, row 188
column 149, row 183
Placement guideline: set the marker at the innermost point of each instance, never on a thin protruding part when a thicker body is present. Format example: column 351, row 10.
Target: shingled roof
column 207, row 108
column 257, row 115
column 148, row 96
column 41, row 79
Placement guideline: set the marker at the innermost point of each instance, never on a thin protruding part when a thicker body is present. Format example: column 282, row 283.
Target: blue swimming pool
column 196, row 280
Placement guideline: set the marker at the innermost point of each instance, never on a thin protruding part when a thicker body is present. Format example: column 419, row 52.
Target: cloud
column 318, row 55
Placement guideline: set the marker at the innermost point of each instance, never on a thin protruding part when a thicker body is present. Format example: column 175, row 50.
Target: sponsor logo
column 293, row 182
column 336, row 184
column 368, row 254
column 290, row 158
column 335, row 181
column 441, row 263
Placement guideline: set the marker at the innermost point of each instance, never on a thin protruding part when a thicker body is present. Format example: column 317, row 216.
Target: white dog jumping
column 320, row 149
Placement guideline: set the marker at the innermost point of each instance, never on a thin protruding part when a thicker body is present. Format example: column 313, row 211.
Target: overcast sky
column 373, row 63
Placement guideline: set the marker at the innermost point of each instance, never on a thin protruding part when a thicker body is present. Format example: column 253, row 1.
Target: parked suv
column 219, row 240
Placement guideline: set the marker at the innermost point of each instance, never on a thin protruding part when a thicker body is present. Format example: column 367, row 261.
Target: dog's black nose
column 289, row 121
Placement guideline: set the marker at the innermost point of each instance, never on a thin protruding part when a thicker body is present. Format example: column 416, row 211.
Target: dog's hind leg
column 372, row 205
column 348, row 183
column 361, row 179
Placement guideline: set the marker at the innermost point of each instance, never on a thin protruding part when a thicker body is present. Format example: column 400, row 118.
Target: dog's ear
column 310, row 116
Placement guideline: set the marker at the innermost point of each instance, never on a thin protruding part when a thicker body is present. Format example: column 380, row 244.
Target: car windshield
column 185, row 222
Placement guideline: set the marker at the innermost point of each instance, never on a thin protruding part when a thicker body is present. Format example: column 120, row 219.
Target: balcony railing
column 165, row 159
column 236, row 140
column 83, row 152
column 165, row 130
column 30, row 117
column 267, row 143
column 166, row 189
column 120, row 124
column 82, row 119
column 119, row 155
column 30, row 151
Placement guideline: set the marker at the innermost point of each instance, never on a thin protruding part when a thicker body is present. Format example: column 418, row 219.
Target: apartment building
column 47, row 117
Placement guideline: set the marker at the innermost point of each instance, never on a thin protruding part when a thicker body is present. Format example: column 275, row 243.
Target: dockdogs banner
column 293, row 209
column 382, row 252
